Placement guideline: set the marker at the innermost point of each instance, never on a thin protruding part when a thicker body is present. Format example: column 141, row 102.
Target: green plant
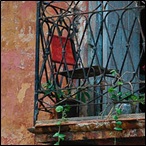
column 118, row 123
column 117, row 95
column 116, row 118
column 55, row 92
column 82, row 94
column 120, row 96
column 63, row 110
column 49, row 89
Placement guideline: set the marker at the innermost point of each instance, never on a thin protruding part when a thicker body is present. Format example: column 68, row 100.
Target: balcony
column 89, row 72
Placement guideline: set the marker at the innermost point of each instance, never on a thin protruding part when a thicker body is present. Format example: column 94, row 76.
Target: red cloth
column 57, row 48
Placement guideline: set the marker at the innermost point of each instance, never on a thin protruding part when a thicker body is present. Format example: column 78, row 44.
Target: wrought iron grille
column 90, row 55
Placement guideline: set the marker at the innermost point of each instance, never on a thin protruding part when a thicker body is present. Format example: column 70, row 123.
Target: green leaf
column 87, row 94
column 61, row 136
column 47, row 92
column 118, row 122
column 120, row 83
column 115, row 117
column 113, row 72
column 142, row 100
column 119, row 94
column 114, row 96
column 57, row 143
column 56, row 134
column 118, row 129
column 58, row 123
column 59, row 108
column 78, row 95
column 67, row 108
column 60, row 93
column 126, row 95
column 50, row 86
column 118, row 111
column 111, row 89
column 134, row 97
column 83, row 97
column 44, row 85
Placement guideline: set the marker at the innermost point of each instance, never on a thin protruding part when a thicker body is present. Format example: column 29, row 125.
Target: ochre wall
column 18, row 20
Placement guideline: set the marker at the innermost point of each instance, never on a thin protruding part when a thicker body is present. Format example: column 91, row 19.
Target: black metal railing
column 89, row 55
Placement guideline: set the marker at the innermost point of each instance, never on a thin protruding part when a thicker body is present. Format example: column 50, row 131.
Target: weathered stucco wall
column 17, row 66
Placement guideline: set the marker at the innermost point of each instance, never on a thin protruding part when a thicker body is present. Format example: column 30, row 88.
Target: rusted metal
column 80, row 46
column 79, row 73
column 93, row 135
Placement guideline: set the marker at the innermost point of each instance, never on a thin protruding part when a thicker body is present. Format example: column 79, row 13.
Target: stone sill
column 90, row 128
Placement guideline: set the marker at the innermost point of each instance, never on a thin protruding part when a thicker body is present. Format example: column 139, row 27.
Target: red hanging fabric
column 57, row 44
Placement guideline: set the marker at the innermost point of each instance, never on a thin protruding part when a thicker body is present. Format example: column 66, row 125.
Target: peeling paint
column 24, row 37
column 22, row 92
column 92, row 129
column 17, row 52
column 21, row 66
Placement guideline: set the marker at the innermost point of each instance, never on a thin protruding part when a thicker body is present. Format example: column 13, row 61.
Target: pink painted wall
column 18, row 20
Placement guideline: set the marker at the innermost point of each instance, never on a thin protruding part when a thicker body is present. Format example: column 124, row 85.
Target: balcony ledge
column 90, row 128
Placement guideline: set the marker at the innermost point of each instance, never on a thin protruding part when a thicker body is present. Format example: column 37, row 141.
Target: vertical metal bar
column 98, row 106
column 37, row 63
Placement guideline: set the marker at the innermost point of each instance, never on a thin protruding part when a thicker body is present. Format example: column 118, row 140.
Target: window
column 102, row 37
